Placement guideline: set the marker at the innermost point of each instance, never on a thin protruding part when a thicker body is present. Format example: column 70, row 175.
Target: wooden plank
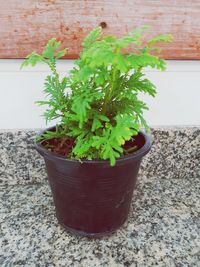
column 27, row 25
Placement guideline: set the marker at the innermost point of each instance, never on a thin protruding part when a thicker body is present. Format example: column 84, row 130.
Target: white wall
column 177, row 102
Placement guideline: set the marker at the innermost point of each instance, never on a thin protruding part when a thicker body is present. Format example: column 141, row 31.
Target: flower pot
column 91, row 197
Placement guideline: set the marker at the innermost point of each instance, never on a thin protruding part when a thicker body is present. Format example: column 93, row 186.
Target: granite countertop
column 163, row 229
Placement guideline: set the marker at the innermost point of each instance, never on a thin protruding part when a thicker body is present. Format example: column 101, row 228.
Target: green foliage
column 103, row 109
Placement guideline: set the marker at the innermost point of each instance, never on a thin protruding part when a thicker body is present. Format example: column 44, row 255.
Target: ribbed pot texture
column 91, row 197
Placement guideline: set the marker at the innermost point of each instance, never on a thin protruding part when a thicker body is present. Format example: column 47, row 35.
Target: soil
column 63, row 146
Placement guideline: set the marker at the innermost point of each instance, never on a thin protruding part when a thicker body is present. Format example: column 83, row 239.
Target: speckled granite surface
column 175, row 154
column 163, row 229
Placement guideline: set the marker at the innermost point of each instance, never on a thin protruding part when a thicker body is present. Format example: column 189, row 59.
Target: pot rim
column 133, row 156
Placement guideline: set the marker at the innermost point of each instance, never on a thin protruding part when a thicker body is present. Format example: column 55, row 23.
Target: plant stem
column 110, row 91
column 131, row 149
column 109, row 94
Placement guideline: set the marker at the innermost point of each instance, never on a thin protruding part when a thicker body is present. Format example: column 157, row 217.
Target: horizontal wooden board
column 27, row 25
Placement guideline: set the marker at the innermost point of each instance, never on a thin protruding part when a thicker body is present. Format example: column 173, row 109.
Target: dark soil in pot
column 91, row 197
column 63, row 146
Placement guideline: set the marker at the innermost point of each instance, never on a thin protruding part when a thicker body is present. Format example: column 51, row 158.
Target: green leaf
column 81, row 105
column 110, row 153
column 98, row 120
column 100, row 79
column 110, row 39
column 132, row 37
column 92, row 37
column 32, row 60
column 61, row 53
column 124, row 129
column 121, row 63
column 144, row 123
column 136, row 83
column 103, row 118
column 83, row 74
column 40, row 103
column 83, row 146
column 50, row 48
column 160, row 38
column 96, row 124
column 146, row 60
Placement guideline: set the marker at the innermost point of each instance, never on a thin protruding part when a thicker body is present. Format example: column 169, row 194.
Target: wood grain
column 27, row 25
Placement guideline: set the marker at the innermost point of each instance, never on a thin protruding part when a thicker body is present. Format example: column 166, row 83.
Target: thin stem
column 108, row 96
column 113, row 79
column 131, row 149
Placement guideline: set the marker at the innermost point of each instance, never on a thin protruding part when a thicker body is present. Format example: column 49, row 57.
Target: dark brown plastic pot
column 92, row 198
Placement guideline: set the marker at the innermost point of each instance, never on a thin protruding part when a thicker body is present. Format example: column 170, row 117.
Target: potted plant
column 93, row 153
